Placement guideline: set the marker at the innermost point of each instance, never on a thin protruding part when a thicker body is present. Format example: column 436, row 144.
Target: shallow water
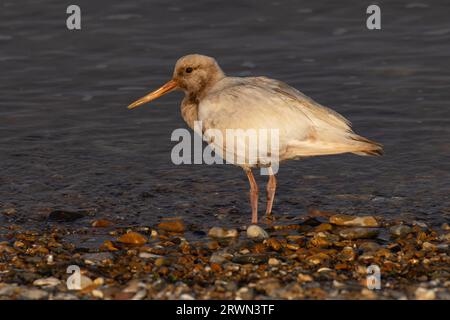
column 68, row 142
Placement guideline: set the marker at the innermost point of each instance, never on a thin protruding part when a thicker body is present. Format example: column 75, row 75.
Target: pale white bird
column 305, row 128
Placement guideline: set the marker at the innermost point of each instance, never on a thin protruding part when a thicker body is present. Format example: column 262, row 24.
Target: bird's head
column 193, row 74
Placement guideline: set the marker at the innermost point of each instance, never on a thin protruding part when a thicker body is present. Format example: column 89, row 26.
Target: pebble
column 9, row 211
column 217, row 259
column 368, row 294
column 102, row 223
column 250, row 258
column 161, row 261
column 317, row 258
column 222, row 233
column 47, row 282
column 338, row 284
column 323, row 239
column 273, row 243
column 108, row 246
column 85, row 282
column 425, row 294
column 256, row 232
column 186, row 296
column 96, row 258
column 353, row 221
column 323, row 227
column 176, row 226
column 33, row 294
column 8, row 289
column 97, row 293
column 445, row 226
column 132, row 238
column 213, row 245
column 400, row 231
column 268, row 285
column 245, row 293
column 358, row 233
column 369, row 246
column 274, row 261
column 347, row 254
column 428, row 246
column 147, row 255
column 420, row 224
column 99, row 281
column 65, row 296
column 304, row 278
column 445, row 237
column 4, row 247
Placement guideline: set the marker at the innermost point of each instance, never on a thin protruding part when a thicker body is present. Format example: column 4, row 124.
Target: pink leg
column 253, row 195
column 271, row 187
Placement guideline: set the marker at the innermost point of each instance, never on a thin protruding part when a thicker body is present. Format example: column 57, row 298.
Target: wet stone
column 222, row 233
column 218, row 258
column 108, row 246
column 358, row 233
column 273, row 243
column 176, row 226
column 251, row 258
column 96, row 258
column 147, row 255
column 353, row 221
column 429, row 246
column 304, row 278
column 132, row 238
column 65, row 296
column 85, row 282
column 8, row 289
column 102, row 223
column 245, row 293
column 33, row 294
column 347, row 254
column 256, row 232
column 47, row 282
column 400, row 231
column 369, row 246
column 274, row 261
column 9, row 212
column 323, row 227
column 425, row 294
column 269, row 285
column 318, row 258
column 323, row 239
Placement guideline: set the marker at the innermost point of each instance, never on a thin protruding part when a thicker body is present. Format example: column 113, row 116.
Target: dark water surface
column 68, row 142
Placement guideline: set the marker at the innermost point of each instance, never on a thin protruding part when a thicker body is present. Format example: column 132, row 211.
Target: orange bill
column 169, row 86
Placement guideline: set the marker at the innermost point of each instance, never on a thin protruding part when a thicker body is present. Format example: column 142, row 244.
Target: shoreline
column 321, row 256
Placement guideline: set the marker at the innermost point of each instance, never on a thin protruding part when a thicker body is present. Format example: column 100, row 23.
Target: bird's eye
column 188, row 70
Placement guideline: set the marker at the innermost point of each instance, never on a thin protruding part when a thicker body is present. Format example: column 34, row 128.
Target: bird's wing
column 305, row 103
column 305, row 127
column 261, row 102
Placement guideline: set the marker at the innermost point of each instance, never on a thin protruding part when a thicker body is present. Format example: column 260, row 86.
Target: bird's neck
column 189, row 109
column 189, row 106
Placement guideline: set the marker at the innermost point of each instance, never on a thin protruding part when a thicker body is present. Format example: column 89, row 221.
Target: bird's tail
column 368, row 147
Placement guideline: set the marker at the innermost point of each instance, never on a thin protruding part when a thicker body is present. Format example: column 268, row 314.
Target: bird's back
column 305, row 127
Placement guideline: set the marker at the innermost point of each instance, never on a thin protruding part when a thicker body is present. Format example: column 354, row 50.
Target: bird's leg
column 253, row 195
column 271, row 187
